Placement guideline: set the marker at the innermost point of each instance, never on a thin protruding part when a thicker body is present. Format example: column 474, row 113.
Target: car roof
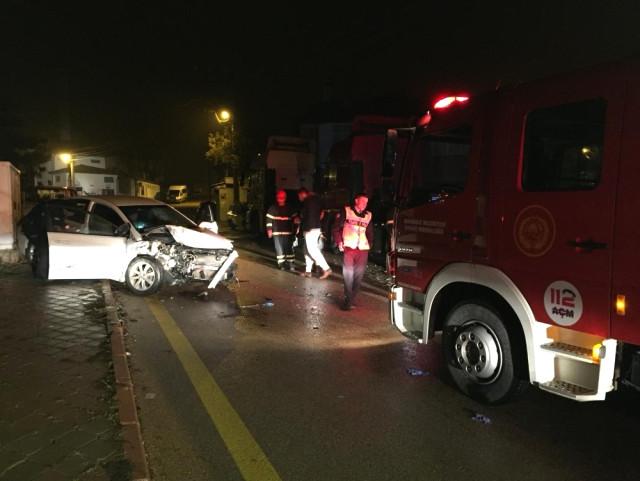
column 125, row 200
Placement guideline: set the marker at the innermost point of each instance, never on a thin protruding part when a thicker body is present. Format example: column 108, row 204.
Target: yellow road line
column 250, row 459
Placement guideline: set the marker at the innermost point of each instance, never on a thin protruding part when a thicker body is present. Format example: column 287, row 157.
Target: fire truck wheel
column 143, row 276
column 478, row 354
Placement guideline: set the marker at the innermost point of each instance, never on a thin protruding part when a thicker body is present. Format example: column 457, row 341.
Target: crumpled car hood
column 203, row 239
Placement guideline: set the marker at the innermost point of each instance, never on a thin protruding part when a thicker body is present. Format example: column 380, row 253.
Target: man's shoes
column 281, row 267
column 305, row 274
column 325, row 274
column 292, row 267
column 346, row 305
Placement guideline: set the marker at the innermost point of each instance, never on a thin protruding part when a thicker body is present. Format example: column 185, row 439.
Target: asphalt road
column 231, row 389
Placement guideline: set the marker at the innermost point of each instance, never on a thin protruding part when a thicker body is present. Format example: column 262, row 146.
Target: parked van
column 177, row 193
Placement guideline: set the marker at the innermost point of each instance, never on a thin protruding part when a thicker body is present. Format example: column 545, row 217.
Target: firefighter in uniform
column 280, row 227
column 353, row 232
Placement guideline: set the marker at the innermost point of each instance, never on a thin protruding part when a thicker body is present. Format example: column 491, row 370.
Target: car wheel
column 40, row 261
column 143, row 276
column 478, row 353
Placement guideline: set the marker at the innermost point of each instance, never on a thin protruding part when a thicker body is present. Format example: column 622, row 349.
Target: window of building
column 443, row 166
column 108, row 180
column 563, row 147
column 57, row 179
column 95, row 161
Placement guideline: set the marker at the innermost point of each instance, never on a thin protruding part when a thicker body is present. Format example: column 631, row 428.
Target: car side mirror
column 206, row 212
column 123, row 230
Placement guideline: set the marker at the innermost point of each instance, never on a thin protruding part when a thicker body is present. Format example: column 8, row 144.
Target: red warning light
column 445, row 102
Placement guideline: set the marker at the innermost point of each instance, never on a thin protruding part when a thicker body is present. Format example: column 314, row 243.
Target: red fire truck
column 516, row 237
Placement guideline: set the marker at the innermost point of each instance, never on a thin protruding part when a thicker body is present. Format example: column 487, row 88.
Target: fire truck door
column 558, row 198
column 625, row 323
column 437, row 225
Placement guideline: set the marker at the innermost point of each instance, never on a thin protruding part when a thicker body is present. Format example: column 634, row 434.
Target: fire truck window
column 563, row 147
column 443, row 167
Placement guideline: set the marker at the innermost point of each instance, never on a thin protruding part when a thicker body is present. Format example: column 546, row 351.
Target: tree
column 222, row 154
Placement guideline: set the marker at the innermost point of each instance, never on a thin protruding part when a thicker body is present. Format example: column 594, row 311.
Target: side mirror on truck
column 389, row 153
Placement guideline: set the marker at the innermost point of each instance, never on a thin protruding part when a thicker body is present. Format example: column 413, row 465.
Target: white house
column 89, row 173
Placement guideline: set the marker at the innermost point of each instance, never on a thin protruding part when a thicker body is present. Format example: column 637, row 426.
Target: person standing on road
column 312, row 214
column 353, row 233
column 280, row 220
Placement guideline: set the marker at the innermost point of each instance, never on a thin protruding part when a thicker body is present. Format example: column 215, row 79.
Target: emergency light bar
column 445, row 102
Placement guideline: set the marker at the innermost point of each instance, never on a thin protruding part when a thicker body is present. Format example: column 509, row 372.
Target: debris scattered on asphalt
column 481, row 418
column 328, row 294
column 171, row 298
column 413, row 371
column 128, row 353
column 316, row 327
column 203, row 294
column 150, row 395
column 268, row 302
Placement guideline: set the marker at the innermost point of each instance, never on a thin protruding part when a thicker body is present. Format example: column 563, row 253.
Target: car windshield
column 146, row 217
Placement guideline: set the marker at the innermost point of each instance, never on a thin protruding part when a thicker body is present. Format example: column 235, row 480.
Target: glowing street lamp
column 222, row 116
column 67, row 158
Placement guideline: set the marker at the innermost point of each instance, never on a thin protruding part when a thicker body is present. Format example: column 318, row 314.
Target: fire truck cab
column 516, row 235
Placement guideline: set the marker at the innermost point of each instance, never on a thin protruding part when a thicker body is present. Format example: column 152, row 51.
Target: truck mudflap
column 223, row 269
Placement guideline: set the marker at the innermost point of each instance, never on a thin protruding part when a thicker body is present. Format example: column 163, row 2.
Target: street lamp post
column 224, row 116
column 67, row 158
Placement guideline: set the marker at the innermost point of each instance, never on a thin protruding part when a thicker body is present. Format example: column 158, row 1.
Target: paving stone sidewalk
column 58, row 415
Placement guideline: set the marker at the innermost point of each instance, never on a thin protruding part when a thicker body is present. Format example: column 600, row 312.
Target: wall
column 10, row 205
column 94, row 184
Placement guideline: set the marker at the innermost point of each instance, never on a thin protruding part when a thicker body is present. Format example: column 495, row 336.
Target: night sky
column 138, row 79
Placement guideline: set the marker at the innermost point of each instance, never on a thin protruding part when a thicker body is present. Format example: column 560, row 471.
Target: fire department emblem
column 534, row 231
column 563, row 303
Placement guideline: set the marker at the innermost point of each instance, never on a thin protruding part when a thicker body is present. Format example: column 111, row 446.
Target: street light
column 67, row 158
column 224, row 116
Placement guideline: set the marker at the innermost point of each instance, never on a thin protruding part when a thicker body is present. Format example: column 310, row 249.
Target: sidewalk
column 375, row 277
column 59, row 415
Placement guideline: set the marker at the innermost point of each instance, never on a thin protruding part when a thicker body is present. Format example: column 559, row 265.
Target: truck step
column 572, row 352
column 568, row 390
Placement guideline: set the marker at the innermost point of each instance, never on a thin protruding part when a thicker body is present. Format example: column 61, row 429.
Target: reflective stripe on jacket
column 354, row 232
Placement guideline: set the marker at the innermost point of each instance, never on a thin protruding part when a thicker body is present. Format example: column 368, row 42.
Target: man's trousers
column 284, row 250
column 354, row 264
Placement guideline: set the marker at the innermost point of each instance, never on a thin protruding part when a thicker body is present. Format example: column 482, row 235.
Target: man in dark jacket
column 353, row 232
column 312, row 214
column 280, row 228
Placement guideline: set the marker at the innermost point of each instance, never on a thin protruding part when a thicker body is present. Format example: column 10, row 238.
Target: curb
column 127, row 411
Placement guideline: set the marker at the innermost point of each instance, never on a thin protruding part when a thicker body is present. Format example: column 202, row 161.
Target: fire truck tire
column 478, row 353
column 143, row 276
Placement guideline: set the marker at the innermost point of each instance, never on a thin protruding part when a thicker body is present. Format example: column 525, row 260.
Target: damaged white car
column 141, row 242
